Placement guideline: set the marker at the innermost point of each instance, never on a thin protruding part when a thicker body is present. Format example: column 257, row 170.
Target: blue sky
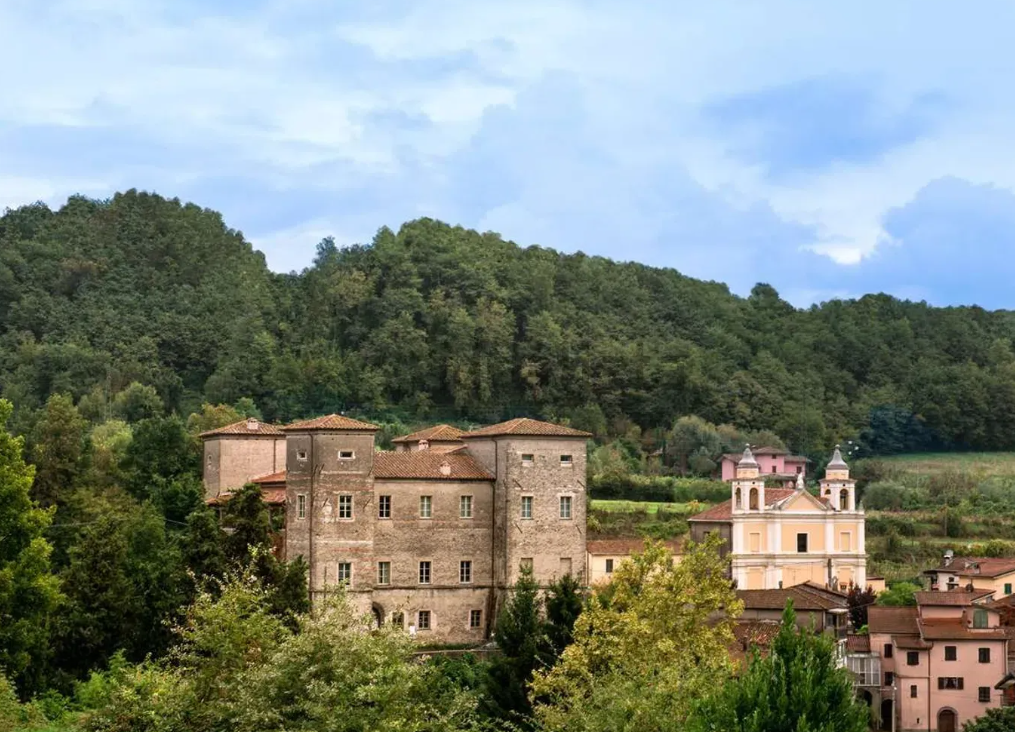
column 828, row 149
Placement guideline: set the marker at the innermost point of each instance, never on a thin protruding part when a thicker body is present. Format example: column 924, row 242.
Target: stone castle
column 430, row 535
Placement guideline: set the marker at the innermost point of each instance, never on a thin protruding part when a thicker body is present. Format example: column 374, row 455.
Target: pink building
column 772, row 462
column 932, row 667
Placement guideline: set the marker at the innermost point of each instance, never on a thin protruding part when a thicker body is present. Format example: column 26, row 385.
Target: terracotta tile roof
column 805, row 597
column 330, row 422
column 426, row 465
column 858, row 643
column 625, row 547
column 274, row 496
column 910, row 642
column 752, row 634
column 956, row 629
column 892, row 620
column 1003, row 603
column 724, row 511
column 976, row 567
column 526, row 427
column 437, row 433
column 278, row 477
column 245, row 427
column 951, row 598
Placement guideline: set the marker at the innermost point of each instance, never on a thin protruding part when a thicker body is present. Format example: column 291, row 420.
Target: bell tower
column 837, row 486
column 748, row 488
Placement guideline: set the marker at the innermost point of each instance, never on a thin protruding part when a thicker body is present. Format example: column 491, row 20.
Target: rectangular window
column 913, row 658
column 983, row 694
column 465, row 571
column 888, row 650
column 301, row 506
column 609, row 566
column 528, row 459
column 799, row 469
column 565, row 461
column 383, row 573
column 465, row 506
column 301, row 454
column 425, row 506
column 384, row 507
column 345, row 572
column 526, row 507
column 951, row 653
column 950, row 682
column 475, row 618
column 526, row 563
column 845, row 541
column 984, row 655
column 979, row 618
column 423, row 620
column 346, row 455
column 1007, row 588
column 801, row 543
column 424, row 573
column 345, row 507
column 565, row 507
column 773, row 468
column 889, row 678
column 755, row 541
column 398, row 620
column 565, row 566
column 912, row 691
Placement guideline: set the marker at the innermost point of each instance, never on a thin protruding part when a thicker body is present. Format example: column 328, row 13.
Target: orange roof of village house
column 625, row 547
column 252, row 427
column 437, row 433
column 330, row 422
column 892, row 620
column 952, row 598
column 724, row 511
column 278, row 477
column 426, row 465
column 976, row 567
column 525, row 427
column 806, row 596
column 274, row 496
column 956, row 629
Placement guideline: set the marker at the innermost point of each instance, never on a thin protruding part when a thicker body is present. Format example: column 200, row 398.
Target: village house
column 981, row 573
column 429, row 536
column 934, row 666
column 606, row 555
column 775, row 464
column 780, row 537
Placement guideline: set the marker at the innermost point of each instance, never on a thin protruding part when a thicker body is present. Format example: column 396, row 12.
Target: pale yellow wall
column 597, row 565
column 803, row 503
column 849, row 528
column 797, row 574
column 815, row 539
column 755, row 579
column 877, row 584
column 991, row 583
column 760, row 545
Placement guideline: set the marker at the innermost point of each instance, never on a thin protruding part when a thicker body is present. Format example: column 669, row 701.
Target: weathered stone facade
column 237, row 453
column 434, row 538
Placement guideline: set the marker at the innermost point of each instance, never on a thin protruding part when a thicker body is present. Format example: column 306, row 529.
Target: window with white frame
column 425, row 506
column 465, row 506
column 424, row 573
column 384, row 573
column 384, row 507
column 345, row 506
column 526, row 507
column 465, row 571
column 345, row 572
column 565, row 507
column 423, row 620
column 301, row 454
column 301, row 506
column 528, row 459
column 566, row 461
column 346, row 455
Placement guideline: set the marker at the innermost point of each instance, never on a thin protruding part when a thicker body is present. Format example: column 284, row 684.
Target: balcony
column 866, row 669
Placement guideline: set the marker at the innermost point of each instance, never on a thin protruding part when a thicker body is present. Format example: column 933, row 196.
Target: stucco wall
column 230, row 461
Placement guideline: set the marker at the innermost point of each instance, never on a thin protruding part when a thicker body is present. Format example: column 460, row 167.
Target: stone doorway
column 947, row 721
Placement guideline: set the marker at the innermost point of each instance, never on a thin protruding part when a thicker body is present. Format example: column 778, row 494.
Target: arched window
column 844, row 500
column 754, row 499
column 737, row 499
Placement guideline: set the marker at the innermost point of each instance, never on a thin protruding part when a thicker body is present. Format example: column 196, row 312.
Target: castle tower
column 748, row 488
column 239, row 452
column 837, row 486
column 329, row 502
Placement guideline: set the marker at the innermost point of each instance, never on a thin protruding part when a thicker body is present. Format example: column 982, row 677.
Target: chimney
column 252, row 424
column 424, row 445
column 949, row 556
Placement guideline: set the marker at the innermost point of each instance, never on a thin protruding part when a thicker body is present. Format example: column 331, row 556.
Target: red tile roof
column 858, row 643
column 437, row 433
column 956, row 629
column 330, row 422
column 274, row 496
column 625, row 547
column 724, row 511
column 524, row 427
column 426, row 465
column 892, row 620
column 951, row 598
column 805, row 597
column 976, row 567
column 251, row 427
column 748, row 635
column 278, row 477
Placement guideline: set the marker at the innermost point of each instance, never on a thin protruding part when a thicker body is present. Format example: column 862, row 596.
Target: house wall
column 699, row 531
column 230, row 461
column 975, row 675
column 596, row 565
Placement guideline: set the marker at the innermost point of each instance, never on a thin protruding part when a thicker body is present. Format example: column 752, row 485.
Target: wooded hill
column 440, row 322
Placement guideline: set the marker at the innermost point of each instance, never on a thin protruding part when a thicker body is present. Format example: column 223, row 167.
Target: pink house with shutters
column 940, row 662
column 772, row 463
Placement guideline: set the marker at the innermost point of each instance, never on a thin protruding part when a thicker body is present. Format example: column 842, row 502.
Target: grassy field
column 649, row 507
column 981, row 464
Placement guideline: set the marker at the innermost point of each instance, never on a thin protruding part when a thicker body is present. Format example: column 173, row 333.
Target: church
column 780, row 537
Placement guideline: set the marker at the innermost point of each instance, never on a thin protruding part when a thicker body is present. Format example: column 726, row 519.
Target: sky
column 828, row 149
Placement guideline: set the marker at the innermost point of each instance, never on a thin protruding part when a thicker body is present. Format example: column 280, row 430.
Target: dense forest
column 439, row 322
